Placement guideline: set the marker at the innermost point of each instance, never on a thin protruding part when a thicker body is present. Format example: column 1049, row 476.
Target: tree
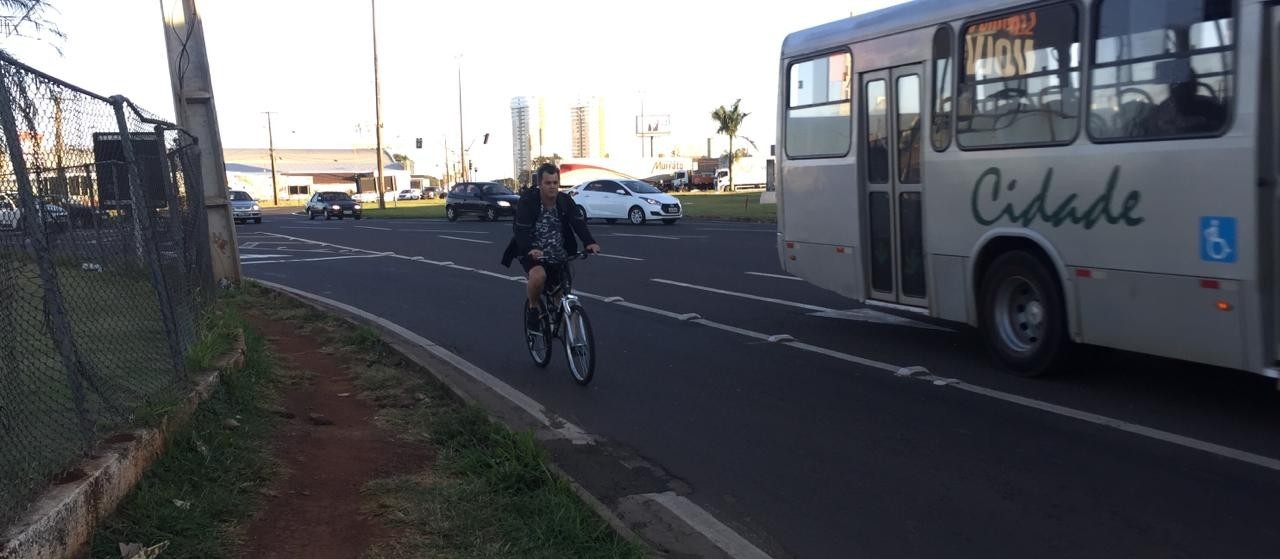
column 555, row 159
column 729, row 119
column 404, row 161
column 27, row 18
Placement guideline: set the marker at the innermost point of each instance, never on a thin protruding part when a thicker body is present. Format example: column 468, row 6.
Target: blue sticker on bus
column 1218, row 239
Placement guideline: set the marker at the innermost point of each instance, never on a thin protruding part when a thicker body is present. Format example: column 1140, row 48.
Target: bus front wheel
column 1023, row 317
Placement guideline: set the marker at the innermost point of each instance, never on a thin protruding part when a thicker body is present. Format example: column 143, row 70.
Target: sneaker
column 532, row 319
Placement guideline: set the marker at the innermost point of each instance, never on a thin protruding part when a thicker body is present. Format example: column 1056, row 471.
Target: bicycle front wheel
column 579, row 345
column 538, row 341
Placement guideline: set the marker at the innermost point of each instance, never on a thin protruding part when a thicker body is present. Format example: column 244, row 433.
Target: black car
column 489, row 200
column 81, row 214
column 333, row 204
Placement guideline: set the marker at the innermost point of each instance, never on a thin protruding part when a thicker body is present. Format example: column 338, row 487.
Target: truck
column 683, row 181
column 747, row 171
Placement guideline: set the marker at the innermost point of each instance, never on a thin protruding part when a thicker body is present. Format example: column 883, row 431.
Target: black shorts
column 553, row 272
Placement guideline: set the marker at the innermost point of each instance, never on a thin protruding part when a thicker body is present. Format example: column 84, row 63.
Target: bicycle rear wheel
column 538, row 342
column 579, row 345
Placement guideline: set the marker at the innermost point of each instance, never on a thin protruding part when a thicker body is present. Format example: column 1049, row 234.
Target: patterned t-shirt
column 549, row 236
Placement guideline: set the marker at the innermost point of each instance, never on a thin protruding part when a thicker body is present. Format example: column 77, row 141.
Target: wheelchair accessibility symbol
column 1218, row 239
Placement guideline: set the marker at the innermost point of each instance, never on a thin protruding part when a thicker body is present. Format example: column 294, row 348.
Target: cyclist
column 545, row 224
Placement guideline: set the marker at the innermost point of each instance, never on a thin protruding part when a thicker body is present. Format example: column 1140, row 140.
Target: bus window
column 1161, row 69
column 942, row 70
column 907, row 96
column 1020, row 80
column 877, row 133
column 819, row 117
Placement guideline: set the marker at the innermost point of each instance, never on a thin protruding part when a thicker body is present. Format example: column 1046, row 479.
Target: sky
column 310, row 62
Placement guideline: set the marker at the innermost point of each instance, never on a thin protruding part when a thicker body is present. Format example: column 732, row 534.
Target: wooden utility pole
column 271, row 149
column 377, row 105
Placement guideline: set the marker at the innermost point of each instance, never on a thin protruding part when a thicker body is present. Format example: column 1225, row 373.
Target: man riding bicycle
column 545, row 224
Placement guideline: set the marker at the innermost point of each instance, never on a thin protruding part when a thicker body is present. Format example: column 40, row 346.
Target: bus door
column 890, row 144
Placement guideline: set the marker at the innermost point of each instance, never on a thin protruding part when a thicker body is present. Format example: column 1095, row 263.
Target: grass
column 738, row 206
column 406, row 209
column 490, row 493
column 490, row 496
column 206, row 481
column 117, row 329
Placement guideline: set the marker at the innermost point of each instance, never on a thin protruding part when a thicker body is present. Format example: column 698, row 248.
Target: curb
column 61, row 522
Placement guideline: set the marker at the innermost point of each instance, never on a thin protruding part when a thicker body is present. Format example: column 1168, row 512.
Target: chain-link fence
column 104, row 272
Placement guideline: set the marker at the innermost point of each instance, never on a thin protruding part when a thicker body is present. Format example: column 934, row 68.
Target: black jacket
column 527, row 211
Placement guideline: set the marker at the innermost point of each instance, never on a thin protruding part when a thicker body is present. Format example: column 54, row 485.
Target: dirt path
column 314, row 509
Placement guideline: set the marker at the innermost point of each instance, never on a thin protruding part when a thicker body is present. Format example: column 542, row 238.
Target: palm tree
column 17, row 14
column 730, row 120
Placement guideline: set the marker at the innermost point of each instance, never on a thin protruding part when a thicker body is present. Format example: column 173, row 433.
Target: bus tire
column 1023, row 318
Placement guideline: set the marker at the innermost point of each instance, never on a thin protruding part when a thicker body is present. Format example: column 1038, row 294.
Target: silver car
column 244, row 207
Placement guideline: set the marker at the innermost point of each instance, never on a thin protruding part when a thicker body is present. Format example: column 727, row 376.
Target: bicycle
column 562, row 316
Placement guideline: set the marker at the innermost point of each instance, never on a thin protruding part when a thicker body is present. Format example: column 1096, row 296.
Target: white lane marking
column 919, row 373
column 727, row 328
column 664, row 237
column 805, row 306
column 864, row 315
column 1226, row 452
column 320, row 250
column 374, row 228
column 722, row 536
column 459, row 231
column 249, row 245
column 308, row 228
column 559, row 426
column 846, row 357
column 313, row 259
column 738, row 230
column 467, row 240
column 779, row 276
column 252, row 256
column 620, row 257
column 497, row 275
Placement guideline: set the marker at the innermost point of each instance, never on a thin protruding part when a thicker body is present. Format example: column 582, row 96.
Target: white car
column 409, row 194
column 11, row 213
column 632, row 200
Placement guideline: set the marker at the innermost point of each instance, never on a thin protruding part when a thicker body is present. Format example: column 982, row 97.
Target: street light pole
column 377, row 104
column 462, row 141
column 271, row 148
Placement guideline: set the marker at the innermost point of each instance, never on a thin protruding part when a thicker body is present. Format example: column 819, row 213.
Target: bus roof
column 894, row 19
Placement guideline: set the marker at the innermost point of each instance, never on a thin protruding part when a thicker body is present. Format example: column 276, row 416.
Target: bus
column 1056, row 172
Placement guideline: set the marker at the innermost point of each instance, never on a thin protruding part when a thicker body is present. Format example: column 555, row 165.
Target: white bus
column 1092, row 171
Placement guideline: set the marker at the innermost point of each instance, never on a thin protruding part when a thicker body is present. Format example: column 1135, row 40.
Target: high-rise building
column 580, row 127
column 586, row 125
column 521, row 142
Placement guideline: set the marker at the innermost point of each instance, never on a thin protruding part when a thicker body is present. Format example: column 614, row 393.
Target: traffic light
column 486, row 138
column 418, row 143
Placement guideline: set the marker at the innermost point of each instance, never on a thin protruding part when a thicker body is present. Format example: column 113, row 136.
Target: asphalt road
column 828, row 447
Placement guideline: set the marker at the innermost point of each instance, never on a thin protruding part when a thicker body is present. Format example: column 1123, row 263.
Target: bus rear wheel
column 1023, row 317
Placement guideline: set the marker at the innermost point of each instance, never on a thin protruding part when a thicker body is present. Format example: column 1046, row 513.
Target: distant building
column 586, row 126
column 302, row 171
